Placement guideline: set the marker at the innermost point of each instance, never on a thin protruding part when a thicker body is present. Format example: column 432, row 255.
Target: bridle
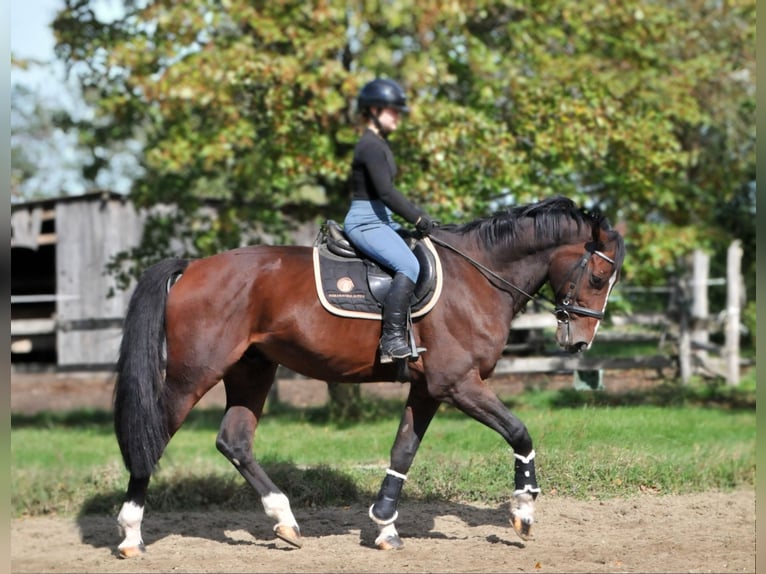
column 567, row 305
column 562, row 310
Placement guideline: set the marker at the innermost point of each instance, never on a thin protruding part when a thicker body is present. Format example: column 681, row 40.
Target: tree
column 55, row 148
column 645, row 109
column 40, row 164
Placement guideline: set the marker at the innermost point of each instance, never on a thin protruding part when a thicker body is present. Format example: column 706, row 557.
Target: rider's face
column 389, row 119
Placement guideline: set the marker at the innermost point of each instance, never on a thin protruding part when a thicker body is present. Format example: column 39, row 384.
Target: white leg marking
column 129, row 519
column 385, row 533
column 277, row 506
column 523, row 506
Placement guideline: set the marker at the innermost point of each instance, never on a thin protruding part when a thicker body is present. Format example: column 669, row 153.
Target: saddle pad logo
column 345, row 284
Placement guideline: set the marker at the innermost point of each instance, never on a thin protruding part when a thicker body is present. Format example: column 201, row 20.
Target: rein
column 561, row 311
column 487, row 271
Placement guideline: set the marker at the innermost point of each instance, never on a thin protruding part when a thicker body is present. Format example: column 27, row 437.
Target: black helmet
column 382, row 93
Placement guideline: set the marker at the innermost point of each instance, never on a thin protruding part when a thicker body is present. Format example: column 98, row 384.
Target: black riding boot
column 393, row 339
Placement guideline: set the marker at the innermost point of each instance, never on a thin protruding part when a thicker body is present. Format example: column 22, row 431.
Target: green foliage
column 672, row 393
column 644, row 109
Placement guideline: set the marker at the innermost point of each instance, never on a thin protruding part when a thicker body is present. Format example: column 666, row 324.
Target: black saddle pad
column 351, row 286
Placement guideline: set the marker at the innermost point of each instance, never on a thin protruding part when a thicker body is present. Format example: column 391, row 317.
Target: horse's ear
column 596, row 230
column 621, row 227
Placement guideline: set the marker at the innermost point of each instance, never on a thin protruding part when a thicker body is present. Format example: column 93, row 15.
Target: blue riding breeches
column 370, row 228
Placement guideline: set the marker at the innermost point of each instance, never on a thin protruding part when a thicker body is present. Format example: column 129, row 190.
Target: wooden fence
column 686, row 325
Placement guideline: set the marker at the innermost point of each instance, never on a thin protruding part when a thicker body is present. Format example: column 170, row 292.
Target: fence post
column 684, row 337
column 590, row 380
column 733, row 304
column 700, row 307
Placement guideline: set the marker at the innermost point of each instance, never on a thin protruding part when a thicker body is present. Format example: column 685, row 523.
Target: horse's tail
column 139, row 411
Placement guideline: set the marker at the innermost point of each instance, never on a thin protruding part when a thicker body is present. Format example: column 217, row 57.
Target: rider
column 368, row 222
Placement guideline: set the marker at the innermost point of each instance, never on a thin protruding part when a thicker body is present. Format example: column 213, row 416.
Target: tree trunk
column 345, row 400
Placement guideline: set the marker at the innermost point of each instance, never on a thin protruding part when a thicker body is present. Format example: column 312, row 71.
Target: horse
column 237, row 315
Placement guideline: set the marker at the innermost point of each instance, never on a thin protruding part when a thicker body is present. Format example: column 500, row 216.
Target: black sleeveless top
column 373, row 170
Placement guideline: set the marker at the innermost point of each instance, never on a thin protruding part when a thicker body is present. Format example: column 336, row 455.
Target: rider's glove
column 425, row 225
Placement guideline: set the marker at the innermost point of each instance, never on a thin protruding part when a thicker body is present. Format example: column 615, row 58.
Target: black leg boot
column 393, row 339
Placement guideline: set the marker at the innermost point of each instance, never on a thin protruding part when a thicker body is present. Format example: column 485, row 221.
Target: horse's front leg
column 418, row 413
column 477, row 400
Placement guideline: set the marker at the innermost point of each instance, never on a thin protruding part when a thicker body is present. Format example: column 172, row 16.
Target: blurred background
column 147, row 129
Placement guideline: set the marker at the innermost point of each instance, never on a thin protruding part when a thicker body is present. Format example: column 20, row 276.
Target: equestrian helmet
column 382, row 93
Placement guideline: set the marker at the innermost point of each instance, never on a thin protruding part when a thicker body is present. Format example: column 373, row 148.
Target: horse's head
column 575, row 248
column 582, row 276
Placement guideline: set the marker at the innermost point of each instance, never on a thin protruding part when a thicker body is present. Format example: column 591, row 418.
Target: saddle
column 349, row 284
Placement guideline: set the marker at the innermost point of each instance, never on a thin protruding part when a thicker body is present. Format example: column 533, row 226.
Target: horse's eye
column 596, row 281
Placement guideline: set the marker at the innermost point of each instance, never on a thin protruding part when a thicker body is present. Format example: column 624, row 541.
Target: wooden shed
column 60, row 311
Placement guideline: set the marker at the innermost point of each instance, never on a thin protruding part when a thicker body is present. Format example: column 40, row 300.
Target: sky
column 31, row 36
column 56, row 158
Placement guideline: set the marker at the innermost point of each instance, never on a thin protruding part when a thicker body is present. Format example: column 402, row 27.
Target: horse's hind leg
column 247, row 387
column 130, row 518
column 417, row 415
column 178, row 402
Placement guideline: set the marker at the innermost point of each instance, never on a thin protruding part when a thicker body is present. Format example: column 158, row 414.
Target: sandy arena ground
column 709, row 532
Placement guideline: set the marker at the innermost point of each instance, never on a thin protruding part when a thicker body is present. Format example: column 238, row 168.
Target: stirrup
column 415, row 351
column 399, row 352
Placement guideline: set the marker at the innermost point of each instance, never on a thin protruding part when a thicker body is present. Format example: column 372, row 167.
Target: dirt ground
column 712, row 532
column 709, row 532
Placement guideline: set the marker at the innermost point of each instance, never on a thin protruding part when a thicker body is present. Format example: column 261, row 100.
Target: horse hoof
column 131, row 551
column 522, row 527
column 390, row 543
column 289, row 534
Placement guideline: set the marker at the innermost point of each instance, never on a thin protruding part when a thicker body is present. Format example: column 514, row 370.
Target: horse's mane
column 503, row 227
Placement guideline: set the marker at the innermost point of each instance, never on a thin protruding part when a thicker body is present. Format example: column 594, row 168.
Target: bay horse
column 237, row 315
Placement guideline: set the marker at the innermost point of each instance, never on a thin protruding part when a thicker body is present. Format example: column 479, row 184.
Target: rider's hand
column 425, row 225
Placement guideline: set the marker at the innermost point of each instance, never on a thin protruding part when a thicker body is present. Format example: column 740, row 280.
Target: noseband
column 563, row 310
column 566, row 307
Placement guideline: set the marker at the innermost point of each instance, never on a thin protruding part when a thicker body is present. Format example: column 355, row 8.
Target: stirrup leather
column 411, row 351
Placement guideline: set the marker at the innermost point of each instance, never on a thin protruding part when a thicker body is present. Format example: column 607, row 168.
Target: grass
column 672, row 440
